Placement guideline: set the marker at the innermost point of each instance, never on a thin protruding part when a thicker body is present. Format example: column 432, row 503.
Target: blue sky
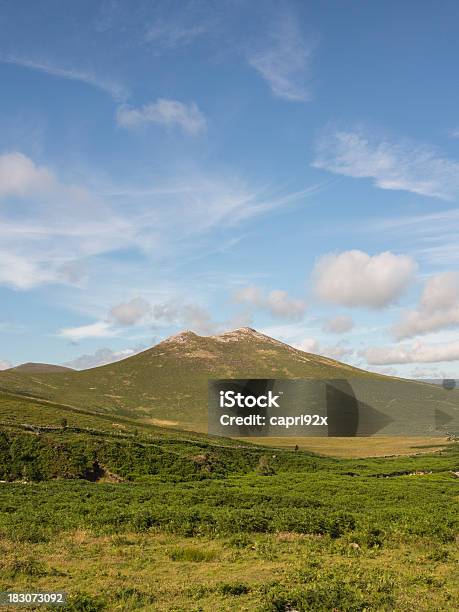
column 196, row 165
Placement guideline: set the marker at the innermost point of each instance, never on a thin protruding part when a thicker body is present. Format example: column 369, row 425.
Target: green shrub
column 235, row 588
column 240, row 541
column 264, row 468
column 191, row 554
column 438, row 555
column 81, row 602
column 134, row 597
column 26, row 567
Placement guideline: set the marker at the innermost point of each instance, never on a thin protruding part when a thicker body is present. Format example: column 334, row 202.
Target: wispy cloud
column 283, row 60
column 116, row 90
column 431, row 237
column 163, row 112
column 171, row 34
column 57, row 226
column 176, row 312
column 418, row 352
column 338, row 325
column 130, row 313
column 102, row 356
column 99, row 329
column 337, row 351
column 400, row 165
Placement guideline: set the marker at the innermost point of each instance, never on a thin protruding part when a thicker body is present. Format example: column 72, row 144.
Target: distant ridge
column 40, row 368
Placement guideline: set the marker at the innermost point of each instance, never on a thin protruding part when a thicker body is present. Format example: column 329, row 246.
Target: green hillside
column 169, row 381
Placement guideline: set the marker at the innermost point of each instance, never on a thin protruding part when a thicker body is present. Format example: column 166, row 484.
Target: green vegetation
column 143, row 518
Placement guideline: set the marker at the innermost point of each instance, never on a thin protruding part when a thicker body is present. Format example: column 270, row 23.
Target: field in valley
column 358, row 447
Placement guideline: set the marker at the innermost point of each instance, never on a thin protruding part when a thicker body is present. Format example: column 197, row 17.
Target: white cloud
column 338, row 325
column 454, row 133
column 129, row 313
column 354, row 278
column 438, row 307
column 432, row 373
column 418, row 352
column 163, row 112
column 284, row 61
column 281, row 305
column 101, row 357
column 21, row 273
column 441, row 292
column 337, row 351
column 276, row 302
column 99, row 329
column 310, row 345
column 19, row 176
column 115, row 90
column 138, row 312
column 415, row 168
column 198, row 319
column 4, row 365
column 386, row 370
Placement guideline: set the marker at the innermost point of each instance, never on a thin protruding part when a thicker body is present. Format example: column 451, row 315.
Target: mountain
column 40, row 368
column 167, row 384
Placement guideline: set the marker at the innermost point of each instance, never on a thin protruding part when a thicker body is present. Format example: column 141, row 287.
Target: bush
column 264, row 468
column 191, row 554
column 27, row 567
column 235, row 589
column 81, row 602
column 240, row 541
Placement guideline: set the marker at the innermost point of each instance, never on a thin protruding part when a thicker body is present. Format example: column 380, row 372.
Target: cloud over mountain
column 438, row 307
column 354, row 278
column 277, row 302
column 338, row 325
column 418, row 352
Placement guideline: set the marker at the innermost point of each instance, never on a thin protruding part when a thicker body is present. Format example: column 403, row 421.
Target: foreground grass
column 283, row 571
column 349, row 536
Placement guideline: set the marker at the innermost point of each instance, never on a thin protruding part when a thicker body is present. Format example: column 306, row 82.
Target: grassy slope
column 169, row 381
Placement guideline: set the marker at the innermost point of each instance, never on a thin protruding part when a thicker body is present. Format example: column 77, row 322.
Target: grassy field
column 357, row 447
column 125, row 515
column 320, row 535
column 283, row 571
